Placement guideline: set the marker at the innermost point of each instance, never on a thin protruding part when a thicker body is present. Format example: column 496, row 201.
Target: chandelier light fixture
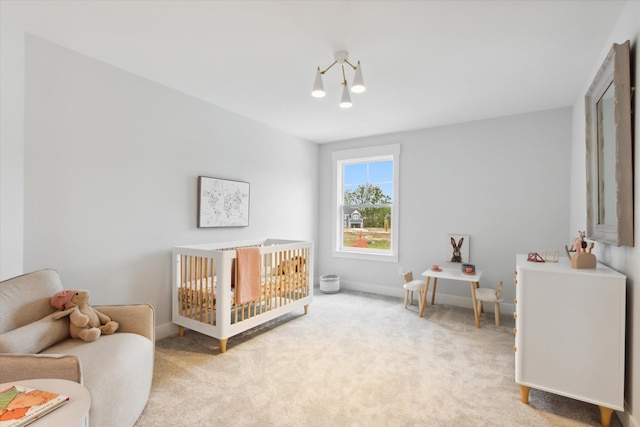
column 341, row 58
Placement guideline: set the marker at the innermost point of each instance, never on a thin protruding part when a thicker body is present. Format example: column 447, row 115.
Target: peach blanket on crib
column 248, row 281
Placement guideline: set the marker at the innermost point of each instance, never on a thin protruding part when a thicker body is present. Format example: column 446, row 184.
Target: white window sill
column 366, row 256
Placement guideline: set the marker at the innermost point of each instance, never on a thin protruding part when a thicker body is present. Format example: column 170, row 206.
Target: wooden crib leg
column 181, row 331
column 306, row 309
column 223, row 345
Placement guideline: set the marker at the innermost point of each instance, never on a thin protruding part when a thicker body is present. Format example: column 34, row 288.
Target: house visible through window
column 366, row 202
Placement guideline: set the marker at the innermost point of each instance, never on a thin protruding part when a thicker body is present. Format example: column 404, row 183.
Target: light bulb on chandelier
column 342, row 58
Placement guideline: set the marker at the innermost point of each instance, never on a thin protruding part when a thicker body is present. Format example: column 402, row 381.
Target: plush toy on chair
column 411, row 285
column 85, row 322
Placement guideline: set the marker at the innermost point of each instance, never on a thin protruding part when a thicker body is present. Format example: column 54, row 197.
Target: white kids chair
column 490, row 295
column 411, row 285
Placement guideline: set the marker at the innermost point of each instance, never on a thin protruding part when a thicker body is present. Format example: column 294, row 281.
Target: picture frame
column 457, row 248
column 222, row 203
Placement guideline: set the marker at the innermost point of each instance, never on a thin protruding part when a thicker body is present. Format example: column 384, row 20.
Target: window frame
column 368, row 154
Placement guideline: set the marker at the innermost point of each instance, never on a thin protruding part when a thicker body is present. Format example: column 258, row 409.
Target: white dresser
column 570, row 332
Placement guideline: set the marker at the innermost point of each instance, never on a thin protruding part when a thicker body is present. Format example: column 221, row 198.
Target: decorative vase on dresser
column 570, row 332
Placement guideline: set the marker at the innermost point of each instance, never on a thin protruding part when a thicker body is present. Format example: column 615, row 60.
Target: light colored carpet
column 354, row 360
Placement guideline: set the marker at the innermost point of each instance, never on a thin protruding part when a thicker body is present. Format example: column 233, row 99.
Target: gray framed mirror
column 609, row 151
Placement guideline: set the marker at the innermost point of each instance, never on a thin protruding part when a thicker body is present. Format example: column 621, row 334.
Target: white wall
column 504, row 182
column 111, row 167
column 624, row 259
column 11, row 145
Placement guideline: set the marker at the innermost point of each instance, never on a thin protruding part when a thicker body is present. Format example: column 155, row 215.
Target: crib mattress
column 194, row 293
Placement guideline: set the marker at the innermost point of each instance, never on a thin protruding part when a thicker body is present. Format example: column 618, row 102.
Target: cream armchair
column 117, row 369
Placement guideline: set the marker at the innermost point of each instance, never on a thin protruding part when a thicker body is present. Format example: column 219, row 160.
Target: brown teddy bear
column 86, row 322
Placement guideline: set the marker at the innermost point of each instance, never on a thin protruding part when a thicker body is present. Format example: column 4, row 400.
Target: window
column 366, row 203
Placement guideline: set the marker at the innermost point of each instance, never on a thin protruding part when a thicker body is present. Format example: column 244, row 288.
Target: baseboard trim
column 626, row 418
column 166, row 330
column 441, row 297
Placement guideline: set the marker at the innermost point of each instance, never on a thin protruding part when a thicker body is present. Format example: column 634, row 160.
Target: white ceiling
column 425, row 63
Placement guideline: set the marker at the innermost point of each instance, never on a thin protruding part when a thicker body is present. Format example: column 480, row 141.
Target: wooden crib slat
column 285, row 277
column 267, row 280
column 303, row 273
column 213, row 292
column 192, row 286
column 294, row 275
column 198, row 288
column 279, row 283
column 204, row 284
column 264, row 307
column 283, row 287
column 306, row 272
column 287, row 295
column 272, row 280
column 235, row 305
column 183, row 276
column 276, row 281
column 187, row 293
column 205, row 290
column 179, row 290
column 208, row 288
column 283, row 295
column 299, row 268
column 186, row 285
column 263, row 282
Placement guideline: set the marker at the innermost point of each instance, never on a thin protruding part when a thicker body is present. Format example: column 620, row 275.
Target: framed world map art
column 222, row 203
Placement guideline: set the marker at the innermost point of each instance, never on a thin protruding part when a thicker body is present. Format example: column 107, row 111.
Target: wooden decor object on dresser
column 570, row 332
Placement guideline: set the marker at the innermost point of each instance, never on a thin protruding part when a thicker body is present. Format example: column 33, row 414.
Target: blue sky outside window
column 379, row 174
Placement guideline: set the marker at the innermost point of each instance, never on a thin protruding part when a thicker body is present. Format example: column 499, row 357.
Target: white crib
column 203, row 296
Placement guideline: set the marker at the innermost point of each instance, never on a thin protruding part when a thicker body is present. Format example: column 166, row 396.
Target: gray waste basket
column 330, row 283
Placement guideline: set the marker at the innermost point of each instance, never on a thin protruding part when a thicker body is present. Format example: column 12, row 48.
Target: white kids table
column 451, row 274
